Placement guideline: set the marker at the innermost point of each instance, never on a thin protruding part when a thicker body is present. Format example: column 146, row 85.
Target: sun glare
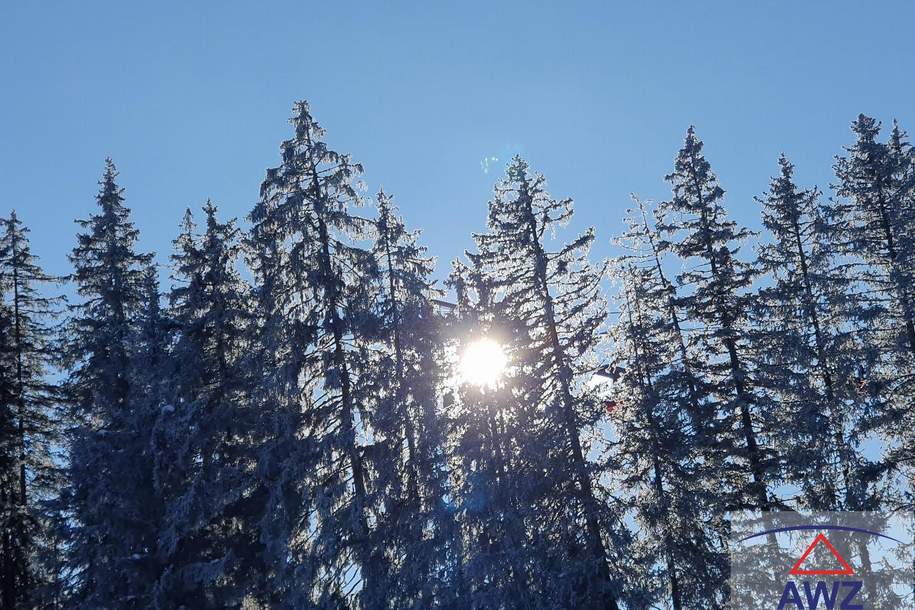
column 483, row 363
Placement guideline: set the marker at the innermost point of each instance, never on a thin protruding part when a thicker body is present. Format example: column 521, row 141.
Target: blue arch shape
column 819, row 527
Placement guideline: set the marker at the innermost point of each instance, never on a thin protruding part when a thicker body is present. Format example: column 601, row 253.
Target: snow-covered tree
column 506, row 559
column 877, row 190
column 32, row 309
column 663, row 452
column 406, row 375
column 321, row 288
column 557, row 296
column 695, row 226
column 806, row 350
column 15, row 527
column 114, row 525
column 204, row 461
column 872, row 227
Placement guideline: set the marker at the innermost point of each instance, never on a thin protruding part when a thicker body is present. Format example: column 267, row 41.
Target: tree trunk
column 758, row 485
column 331, row 304
column 409, row 430
column 646, row 383
column 810, row 305
column 603, row 581
column 674, row 320
column 20, row 385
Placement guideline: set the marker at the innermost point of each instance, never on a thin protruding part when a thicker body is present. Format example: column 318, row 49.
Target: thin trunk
column 646, row 383
column 822, row 366
column 668, row 542
column 20, row 385
column 583, row 480
column 119, row 356
column 497, row 433
column 14, row 587
column 736, row 367
column 674, row 317
column 7, row 569
column 332, row 302
column 412, row 476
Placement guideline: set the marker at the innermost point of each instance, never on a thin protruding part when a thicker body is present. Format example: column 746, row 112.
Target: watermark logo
column 830, row 561
column 797, row 569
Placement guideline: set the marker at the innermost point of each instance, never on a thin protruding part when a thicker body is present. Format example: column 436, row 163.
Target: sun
column 483, row 363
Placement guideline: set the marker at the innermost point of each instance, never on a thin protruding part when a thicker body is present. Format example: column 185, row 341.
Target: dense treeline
column 286, row 426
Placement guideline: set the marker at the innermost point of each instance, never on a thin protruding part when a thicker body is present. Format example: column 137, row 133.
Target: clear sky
column 191, row 100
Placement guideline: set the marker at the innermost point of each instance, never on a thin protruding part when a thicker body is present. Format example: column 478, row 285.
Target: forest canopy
column 305, row 418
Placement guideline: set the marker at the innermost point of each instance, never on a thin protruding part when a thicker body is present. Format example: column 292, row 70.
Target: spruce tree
column 114, row 526
column 872, row 227
column 15, row 527
column 322, row 290
column 204, row 461
column 805, row 346
column 695, row 226
column 557, row 296
column 36, row 410
column 406, row 376
column 507, row 560
column 663, row 454
column 877, row 188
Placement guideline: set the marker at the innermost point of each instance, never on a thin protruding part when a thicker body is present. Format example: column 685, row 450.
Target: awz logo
column 791, row 597
column 842, row 592
column 821, row 561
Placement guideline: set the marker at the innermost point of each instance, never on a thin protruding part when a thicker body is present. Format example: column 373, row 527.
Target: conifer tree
column 323, row 289
column 203, row 460
column 646, row 251
column 875, row 223
column 663, row 453
column 805, row 346
column 285, row 460
column 695, row 225
column 112, row 541
column 508, row 560
column 872, row 226
column 556, row 295
column 15, row 528
column 36, row 400
column 407, row 376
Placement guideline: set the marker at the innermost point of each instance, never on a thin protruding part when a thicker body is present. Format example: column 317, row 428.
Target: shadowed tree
column 205, row 461
column 110, row 493
column 36, row 405
column 695, row 227
column 557, row 296
column 320, row 284
column 405, row 377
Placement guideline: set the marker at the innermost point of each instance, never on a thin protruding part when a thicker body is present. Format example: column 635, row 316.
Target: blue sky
column 192, row 99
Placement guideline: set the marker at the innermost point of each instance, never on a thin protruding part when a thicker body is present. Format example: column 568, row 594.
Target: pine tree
column 111, row 497
column 695, row 225
column 663, row 453
column 203, row 460
column 507, row 560
column 878, row 190
column 406, row 377
column 556, row 295
column 322, row 291
column 36, row 398
column 805, row 346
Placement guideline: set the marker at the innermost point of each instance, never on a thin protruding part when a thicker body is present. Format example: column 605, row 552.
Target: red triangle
column 845, row 571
